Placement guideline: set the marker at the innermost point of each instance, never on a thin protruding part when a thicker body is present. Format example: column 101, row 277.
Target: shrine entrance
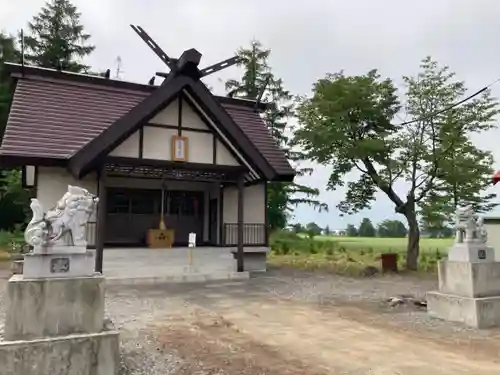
column 131, row 212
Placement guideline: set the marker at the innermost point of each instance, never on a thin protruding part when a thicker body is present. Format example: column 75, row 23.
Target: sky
column 308, row 39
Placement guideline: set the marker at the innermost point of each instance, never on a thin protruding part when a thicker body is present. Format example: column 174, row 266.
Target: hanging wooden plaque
column 179, row 148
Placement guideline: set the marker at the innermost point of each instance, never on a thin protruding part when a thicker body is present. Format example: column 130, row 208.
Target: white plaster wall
column 128, row 148
column 190, row 118
column 493, row 230
column 254, row 204
column 169, row 116
column 157, row 143
column 200, row 147
column 223, row 156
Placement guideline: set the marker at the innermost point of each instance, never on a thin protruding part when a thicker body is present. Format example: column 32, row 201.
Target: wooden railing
column 253, row 234
column 91, row 234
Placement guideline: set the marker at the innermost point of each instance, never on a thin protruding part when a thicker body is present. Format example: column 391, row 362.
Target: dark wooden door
column 212, row 221
column 132, row 212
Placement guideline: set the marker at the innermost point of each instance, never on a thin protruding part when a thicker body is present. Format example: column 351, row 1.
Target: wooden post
column 266, row 212
column 101, row 221
column 240, row 253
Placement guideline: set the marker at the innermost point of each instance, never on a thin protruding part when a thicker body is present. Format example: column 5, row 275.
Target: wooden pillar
column 266, row 212
column 101, row 224
column 240, row 254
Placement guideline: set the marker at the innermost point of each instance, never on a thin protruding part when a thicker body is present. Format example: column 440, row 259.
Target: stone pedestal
column 56, row 325
column 41, row 308
column 54, row 265
column 469, row 292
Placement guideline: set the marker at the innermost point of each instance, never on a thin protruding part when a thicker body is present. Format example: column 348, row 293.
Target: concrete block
column 475, row 252
column 254, row 259
column 474, row 312
column 173, row 279
column 469, row 279
column 40, row 266
column 40, row 308
column 89, row 354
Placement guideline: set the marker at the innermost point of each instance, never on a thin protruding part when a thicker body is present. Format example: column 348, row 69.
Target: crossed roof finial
column 187, row 63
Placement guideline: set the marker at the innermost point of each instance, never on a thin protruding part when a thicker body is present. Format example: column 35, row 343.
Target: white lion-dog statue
column 67, row 220
column 468, row 227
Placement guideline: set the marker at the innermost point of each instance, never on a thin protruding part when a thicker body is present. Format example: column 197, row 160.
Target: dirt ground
column 284, row 324
column 232, row 329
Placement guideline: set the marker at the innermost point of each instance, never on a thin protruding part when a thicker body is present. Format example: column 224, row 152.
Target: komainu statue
column 468, row 227
column 64, row 225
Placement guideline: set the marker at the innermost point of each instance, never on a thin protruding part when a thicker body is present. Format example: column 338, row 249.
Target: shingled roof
column 54, row 115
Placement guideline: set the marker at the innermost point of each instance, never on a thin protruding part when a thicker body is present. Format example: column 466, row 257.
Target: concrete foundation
column 53, row 307
column 90, row 354
column 474, row 312
column 254, row 258
column 469, row 279
column 469, row 293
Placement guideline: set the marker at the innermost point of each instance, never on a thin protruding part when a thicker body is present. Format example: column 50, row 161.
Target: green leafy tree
column 298, row 228
column 391, row 228
column 312, row 230
column 366, row 228
column 327, row 231
column 465, row 175
column 57, row 38
column 258, row 79
column 348, row 124
column 14, row 200
column 351, row 231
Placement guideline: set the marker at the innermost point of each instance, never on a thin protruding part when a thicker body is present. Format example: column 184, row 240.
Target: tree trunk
column 413, row 248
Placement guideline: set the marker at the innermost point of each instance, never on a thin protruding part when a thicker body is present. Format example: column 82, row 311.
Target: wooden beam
column 240, row 253
column 179, row 115
column 266, row 219
column 101, row 223
column 154, row 46
column 221, row 215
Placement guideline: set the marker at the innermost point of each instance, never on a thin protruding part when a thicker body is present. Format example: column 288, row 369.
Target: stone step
column 186, row 278
column 177, row 270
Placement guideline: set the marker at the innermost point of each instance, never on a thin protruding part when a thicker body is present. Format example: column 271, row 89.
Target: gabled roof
column 73, row 118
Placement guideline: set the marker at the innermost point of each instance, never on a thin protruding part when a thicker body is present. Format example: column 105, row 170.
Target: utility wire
column 446, row 109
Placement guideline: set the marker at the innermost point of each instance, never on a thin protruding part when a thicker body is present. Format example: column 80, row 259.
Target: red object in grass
column 495, row 178
column 389, row 262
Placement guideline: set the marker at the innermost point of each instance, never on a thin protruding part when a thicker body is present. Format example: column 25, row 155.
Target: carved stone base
column 474, row 252
column 53, row 307
column 80, row 354
column 42, row 266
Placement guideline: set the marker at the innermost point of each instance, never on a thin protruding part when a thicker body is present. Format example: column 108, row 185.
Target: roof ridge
column 93, row 86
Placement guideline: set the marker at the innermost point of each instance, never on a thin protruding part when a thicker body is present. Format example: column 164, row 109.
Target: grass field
column 350, row 255
column 387, row 244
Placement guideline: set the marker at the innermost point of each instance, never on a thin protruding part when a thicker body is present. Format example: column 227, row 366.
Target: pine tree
column 258, row 78
column 57, row 38
column 8, row 53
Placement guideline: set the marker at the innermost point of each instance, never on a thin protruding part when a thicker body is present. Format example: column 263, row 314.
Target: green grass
column 387, row 244
column 350, row 255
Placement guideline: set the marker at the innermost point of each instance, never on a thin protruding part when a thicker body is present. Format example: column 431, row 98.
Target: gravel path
column 135, row 311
